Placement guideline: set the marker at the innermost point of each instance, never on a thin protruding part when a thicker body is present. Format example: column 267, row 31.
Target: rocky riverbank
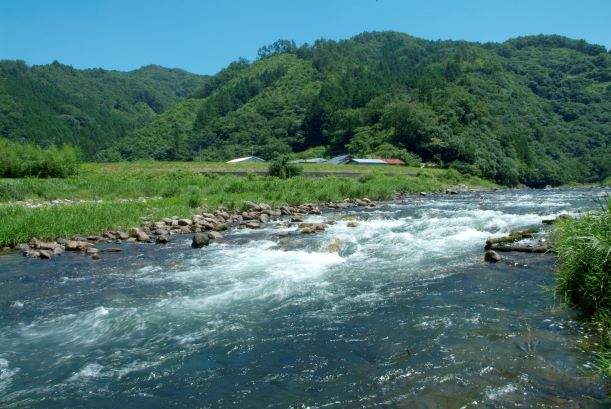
column 206, row 226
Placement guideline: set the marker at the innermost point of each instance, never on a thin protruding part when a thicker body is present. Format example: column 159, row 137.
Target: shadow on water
column 399, row 311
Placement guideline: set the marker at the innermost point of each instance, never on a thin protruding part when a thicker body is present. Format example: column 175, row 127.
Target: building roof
column 246, row 159
column 313, row 160
column 368, row 161
column 394, row 161
column 337, row 160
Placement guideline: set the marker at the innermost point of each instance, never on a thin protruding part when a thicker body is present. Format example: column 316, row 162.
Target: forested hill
column 532, row 110
column 91, row 109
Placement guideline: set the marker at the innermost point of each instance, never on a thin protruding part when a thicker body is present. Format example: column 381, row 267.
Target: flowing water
column 399, row 311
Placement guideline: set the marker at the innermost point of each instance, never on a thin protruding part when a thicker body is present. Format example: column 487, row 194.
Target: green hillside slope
column 91, row 109
column 532, row 110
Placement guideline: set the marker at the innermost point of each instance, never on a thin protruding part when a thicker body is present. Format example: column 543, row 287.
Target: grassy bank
column 583, row 271
column 128, row 192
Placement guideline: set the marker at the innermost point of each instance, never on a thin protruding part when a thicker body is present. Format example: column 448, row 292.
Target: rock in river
column 200, row 240
column 491, row 256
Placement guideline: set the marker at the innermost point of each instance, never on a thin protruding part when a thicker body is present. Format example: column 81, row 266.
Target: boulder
column 200, row 240
column 45, row 254
column 264, row 206
column 263, row 218
column 164, row 239
column 307, row 230
column 142, row 236
column 160, row 232
column 252, row 225
column 297, row 218
column 491, row 256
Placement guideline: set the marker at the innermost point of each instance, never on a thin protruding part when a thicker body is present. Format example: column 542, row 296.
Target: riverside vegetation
column 119, row 196
column 583, row 248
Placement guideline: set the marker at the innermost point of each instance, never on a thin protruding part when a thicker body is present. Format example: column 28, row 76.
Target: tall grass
column 583, row 246
column 583, row 270
column 20, row 224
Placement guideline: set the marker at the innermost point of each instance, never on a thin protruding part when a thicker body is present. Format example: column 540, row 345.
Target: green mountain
column 91, row 109
column 532, row 110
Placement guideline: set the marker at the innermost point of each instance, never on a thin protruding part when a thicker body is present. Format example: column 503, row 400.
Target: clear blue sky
column 204, row 36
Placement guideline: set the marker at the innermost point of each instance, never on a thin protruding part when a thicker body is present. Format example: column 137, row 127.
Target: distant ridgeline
column 533, row 110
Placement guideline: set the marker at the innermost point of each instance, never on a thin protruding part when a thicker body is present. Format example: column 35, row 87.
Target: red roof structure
column 394, row 161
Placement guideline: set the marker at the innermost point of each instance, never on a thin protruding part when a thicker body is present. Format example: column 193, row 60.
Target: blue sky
column 204, row 36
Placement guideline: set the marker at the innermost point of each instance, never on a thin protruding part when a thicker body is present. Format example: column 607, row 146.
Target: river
column 399, row 311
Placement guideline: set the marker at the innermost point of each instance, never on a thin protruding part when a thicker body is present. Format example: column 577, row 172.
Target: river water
column 400, row 311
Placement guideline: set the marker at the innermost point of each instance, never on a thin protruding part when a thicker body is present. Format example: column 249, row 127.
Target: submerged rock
column 200, row 240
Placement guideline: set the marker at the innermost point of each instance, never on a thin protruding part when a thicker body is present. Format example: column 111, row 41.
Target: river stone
column 220, row 227
column 252, row 206
column 263, row 218
column 297, row 219
column 142, row 236
column 92, row 250
column 313, row 226
column 307, row 230
column 110, row 235
column 72, row 245
column 163, row 239
column 112, row 250
column 265, row 206
column 252, row 225
column 122, row 235
column 45, row 254
column 214, row 235
column 200, row 240
column 184, row 222
column 352, row 224
column 491, row 256
column 95, row 256
column 160, row 232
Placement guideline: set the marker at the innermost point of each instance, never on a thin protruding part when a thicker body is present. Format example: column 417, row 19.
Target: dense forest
column 532, row 110
column 91, row 109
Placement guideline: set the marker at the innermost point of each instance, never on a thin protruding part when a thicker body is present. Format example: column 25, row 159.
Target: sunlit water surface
column 399, row 311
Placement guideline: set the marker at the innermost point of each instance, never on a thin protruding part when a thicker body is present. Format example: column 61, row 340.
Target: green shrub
column 19, row 160
column 282, row 168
